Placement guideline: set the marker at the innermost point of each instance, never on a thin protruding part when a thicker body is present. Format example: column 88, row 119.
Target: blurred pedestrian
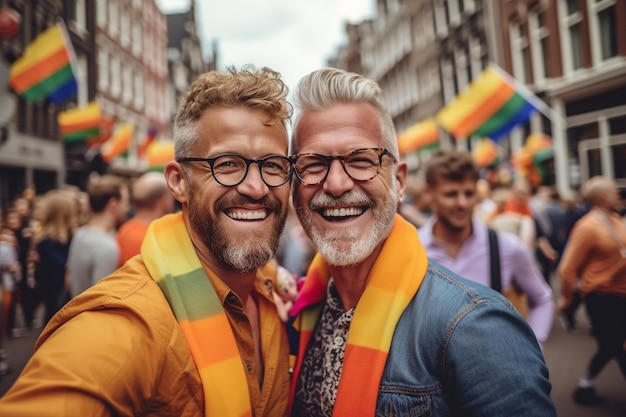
column 94, row 253
column 462, row 244
column 189, row 328
column 57, row 216
column 11, row 269
column 28, row 294
column 150, row 199
column 596, row 252
column 383, row 330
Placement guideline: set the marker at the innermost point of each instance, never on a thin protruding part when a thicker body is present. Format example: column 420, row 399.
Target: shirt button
column 249, row 366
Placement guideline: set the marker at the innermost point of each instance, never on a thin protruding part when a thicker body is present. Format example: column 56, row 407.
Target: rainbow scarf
column 392, row 283
column 172, row 262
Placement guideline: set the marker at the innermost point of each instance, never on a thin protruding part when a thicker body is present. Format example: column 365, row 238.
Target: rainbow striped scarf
column 392, row 283
column 172, row 262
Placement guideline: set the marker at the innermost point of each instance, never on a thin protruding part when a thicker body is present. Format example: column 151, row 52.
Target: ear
column 177, row 181
column 401, row 173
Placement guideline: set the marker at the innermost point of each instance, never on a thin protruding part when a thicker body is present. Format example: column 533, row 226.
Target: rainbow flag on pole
column 159, row 153
column 81, row 123
column 419, row 136
column 491, row 107
column 45, row 69
column 118, row 143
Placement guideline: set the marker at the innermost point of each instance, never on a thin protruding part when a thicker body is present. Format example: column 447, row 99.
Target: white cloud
column 293, row 37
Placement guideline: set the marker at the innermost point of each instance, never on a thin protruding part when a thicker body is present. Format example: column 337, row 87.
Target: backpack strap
column 494, row 261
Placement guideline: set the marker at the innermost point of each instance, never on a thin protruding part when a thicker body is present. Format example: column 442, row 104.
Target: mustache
column 242, row 200
column 351, row 198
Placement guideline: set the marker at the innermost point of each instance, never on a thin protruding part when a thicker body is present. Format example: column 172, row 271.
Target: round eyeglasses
column 360, row 164
column 230, row 170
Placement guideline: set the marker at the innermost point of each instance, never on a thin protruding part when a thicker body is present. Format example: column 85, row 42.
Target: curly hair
column 254, row 88
column 326, row 87
column 452, row 165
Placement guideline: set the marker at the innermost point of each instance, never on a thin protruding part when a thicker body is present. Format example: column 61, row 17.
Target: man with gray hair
column 381, row 329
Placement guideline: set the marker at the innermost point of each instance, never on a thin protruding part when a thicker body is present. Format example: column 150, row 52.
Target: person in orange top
column 596, row 252
column 151, row 200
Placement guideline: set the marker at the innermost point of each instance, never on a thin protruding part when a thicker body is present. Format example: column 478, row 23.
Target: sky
column 293, row 37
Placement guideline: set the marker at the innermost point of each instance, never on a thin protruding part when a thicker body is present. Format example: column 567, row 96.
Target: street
column 567, row 355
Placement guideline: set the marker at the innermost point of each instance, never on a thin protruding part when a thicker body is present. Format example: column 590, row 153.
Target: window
column 101, row 13
column 139, row 90
column 116, row 79
column 521, row 53
column 81, row 79
column 571, row 29
column 539, row 38
column 103, row 69
column 125, row 31
column 80, row 14
column 114, row 17
column 603, row 30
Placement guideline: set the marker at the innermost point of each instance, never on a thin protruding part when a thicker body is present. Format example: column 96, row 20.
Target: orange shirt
column 129, row 238
column 593, row 254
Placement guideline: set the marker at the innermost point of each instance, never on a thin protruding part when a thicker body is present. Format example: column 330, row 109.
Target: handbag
column 513, row 294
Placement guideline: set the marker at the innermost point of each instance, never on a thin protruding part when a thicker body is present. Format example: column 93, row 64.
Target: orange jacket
column 117, row 350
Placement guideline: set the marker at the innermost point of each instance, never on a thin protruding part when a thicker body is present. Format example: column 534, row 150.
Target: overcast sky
column 293, row 37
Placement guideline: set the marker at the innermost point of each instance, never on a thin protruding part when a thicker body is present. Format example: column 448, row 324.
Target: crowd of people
column 388, row 306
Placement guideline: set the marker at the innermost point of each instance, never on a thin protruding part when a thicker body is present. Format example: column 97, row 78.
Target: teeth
column 248, row 215
column 343, row 212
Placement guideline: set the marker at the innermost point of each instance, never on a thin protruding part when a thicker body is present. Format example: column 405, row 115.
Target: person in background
column 461, row 243
column 151, row 199
column 379, row 329
column 57, row 217
column 189, row 328
column 11, row 273
column 415, row 207
column 519, row 225
column 486, row 205
column 596, row 252
column 94, row 253
column 28, row 295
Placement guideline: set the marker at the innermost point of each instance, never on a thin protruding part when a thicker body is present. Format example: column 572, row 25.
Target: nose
column 337, row 181
column 253, row 185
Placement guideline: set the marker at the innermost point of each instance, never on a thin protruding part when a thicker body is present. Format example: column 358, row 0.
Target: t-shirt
column 129, row 238
column 94, row 254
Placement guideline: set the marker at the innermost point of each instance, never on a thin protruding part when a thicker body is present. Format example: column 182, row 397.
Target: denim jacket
column 461, row 349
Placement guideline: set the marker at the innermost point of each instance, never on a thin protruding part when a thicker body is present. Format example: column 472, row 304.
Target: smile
column 247, row 214
column 336, row 213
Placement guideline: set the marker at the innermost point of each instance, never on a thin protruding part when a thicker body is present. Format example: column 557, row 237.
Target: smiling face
column 346, row 219
column 238, row 227
column 454, row 202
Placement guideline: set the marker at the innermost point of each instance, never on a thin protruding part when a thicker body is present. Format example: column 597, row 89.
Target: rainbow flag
column 419, row 136
column 529, row 161
column 490, row 107
column 485, row 153
column 148, row 140
column 80, row 124
column 119, row 142
column 45, row 69
column 158, row 154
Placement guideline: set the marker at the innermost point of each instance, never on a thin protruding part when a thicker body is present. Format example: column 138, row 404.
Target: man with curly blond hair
column 189, row 327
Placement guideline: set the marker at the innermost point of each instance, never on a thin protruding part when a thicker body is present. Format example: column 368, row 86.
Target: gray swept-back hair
column 326, row 87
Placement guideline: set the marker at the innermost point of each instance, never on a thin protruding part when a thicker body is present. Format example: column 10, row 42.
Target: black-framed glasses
column 360, row 164
column 230, row 169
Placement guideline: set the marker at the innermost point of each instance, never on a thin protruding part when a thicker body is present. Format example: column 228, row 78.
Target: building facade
column 31, row 154
column 572, row 54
